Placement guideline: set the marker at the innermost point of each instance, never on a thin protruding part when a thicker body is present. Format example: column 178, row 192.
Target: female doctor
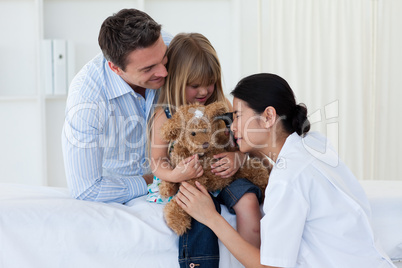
column 315, row 212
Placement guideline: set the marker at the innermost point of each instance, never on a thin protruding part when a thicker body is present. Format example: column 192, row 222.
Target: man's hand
column 149, row 178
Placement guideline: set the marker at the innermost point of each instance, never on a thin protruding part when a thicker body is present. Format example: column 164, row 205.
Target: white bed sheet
column 44, row 227
column 386, row 205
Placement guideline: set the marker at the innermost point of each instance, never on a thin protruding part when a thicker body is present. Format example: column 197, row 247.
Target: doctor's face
column 248, row 128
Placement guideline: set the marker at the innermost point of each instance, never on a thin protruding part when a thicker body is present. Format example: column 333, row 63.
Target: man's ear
column 116, row 69
column 269, row 116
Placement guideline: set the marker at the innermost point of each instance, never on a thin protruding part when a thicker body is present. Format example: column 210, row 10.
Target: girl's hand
column 196, row 202
column 188, row 168
column 228, row 163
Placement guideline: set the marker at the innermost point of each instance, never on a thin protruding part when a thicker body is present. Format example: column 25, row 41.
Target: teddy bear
column 198, row 129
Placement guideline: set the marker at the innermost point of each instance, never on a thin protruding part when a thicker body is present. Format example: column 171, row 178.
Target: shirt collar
column 288, row 145
column 117, row 86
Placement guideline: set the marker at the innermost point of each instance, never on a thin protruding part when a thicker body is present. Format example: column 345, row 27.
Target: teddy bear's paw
column 167, row 189
column 176, row 218
column 181, row 229
column 178, row 225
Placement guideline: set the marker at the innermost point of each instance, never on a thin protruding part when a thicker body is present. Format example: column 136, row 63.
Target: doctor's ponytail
column 262, row 90
column 300, row 123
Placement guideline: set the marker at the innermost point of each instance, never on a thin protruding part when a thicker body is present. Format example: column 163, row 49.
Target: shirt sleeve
column 282, row 226
column 83, row 157
column 167, row 37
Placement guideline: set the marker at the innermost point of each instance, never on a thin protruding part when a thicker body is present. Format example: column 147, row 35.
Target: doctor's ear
column 269, row 116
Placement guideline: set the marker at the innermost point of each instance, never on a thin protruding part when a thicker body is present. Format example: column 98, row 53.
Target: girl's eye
column 195, row 86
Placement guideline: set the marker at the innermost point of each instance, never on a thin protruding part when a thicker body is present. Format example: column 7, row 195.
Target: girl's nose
column 202, row 91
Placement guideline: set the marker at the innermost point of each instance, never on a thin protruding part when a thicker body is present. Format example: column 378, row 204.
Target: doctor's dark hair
column 262, row 90
column 124, row 32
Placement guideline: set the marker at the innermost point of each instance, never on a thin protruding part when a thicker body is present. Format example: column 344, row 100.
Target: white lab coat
column 316, row 213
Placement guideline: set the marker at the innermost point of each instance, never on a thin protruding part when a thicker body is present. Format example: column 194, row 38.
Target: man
column 109, row 103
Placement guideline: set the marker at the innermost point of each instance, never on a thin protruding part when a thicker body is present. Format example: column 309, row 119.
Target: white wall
column 386, row 122
column 249, row 36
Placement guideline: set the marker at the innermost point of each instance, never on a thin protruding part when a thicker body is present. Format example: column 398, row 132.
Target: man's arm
column 83, row 159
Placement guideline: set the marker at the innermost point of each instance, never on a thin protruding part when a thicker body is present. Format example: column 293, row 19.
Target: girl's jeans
column 199, row 247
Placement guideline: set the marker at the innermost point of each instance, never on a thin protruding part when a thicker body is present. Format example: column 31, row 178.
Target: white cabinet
column 18, row 49
column 20, row 104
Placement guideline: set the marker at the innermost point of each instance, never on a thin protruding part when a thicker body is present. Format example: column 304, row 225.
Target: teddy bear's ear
column 171, row 129
column 216, row 108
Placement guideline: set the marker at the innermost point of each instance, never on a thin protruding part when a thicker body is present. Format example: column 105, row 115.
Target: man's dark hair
column 126, row 31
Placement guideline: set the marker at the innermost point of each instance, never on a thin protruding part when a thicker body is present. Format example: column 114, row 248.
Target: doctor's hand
column 197, row 202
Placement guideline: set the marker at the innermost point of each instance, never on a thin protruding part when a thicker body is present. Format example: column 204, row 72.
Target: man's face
column 146, row 66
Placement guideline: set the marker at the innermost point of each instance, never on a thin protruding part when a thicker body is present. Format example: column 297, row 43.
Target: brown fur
column 181, row 128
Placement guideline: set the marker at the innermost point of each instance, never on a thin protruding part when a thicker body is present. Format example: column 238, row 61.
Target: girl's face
column 198, row 93
column 248, row 128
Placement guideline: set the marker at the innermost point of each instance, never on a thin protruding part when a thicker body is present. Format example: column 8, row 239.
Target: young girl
column 194, row 75
column 316, row 213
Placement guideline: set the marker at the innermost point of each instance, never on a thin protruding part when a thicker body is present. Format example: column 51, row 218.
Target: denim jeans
column 199, row 247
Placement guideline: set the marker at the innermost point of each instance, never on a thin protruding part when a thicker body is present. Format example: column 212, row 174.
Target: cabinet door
column 18, row 53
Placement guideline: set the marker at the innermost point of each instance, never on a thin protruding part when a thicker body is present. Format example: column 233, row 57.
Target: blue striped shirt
column 104, row 135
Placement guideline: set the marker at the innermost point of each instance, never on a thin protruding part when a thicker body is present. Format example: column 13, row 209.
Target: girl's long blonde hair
column 191, row 60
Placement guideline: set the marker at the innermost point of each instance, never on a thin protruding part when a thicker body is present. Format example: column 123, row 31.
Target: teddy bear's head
column 198, row 128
